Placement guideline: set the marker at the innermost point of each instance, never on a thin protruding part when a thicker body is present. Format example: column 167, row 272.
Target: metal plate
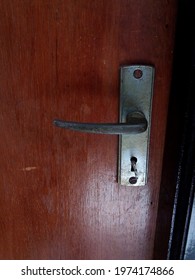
column 136, row 91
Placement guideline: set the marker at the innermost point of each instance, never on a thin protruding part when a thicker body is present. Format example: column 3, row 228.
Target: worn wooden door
column 59, row 197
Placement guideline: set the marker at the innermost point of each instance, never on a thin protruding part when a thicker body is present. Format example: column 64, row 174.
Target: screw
column 137, row 73
column 133, row 180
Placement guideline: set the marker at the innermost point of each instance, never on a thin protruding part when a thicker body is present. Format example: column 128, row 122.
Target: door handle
column 136, row 91
column 135, row 123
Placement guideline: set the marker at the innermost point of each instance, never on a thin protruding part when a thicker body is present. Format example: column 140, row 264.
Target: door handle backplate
column 136, row 90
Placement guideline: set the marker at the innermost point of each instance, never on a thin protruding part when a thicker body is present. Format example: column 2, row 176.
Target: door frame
column 178, row 174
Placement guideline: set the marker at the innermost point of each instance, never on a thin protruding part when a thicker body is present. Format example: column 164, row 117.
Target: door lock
column 136, row 91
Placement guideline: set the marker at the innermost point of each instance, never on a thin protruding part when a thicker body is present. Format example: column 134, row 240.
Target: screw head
column 137, row 73
column 133, row 180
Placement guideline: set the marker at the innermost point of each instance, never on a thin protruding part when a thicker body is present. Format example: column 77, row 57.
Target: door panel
column 59, row 197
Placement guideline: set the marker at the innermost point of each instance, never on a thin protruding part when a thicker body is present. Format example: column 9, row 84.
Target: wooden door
column 59, row 197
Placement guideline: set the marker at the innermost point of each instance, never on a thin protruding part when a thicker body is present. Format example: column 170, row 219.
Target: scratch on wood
column 29, row 168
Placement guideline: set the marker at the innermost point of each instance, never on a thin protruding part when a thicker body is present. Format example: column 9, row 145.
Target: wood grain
column 59, row 198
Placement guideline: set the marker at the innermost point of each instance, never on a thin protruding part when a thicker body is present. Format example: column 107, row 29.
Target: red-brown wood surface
column 59, row 197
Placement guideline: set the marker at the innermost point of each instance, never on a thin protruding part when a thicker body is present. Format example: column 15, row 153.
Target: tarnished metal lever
column 135, row 123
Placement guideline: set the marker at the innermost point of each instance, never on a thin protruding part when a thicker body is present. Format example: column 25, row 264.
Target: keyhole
column 133, row 164
column 133, row 179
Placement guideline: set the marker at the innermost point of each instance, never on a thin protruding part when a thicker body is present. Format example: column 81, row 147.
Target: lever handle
column 136, row 123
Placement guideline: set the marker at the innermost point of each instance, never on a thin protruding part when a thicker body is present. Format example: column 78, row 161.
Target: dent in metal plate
column 136, row 91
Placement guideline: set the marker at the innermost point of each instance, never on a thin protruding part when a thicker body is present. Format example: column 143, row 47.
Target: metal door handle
column 136, row 90
column 135, row 123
